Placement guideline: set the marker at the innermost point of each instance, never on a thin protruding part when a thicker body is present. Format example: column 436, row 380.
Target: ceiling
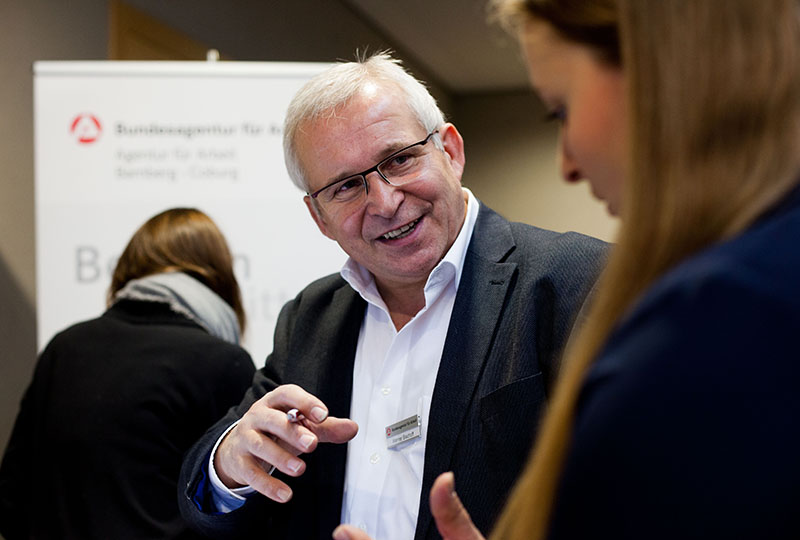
column 447, row 42
column 452, row 40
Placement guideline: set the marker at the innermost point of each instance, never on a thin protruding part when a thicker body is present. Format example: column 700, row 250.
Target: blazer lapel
column 473, row 326
column 335, row 387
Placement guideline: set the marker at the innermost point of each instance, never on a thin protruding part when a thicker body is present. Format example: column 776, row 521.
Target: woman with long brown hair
column 675, row 415
column 676, row 412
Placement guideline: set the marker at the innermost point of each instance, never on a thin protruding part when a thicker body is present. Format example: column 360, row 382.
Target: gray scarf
column 188, row 297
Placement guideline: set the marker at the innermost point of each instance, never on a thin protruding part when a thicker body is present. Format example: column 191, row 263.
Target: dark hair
column 593, row 24
column 181, row 240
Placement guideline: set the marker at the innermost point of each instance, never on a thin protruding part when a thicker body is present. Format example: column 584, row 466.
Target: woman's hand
column 451, row 517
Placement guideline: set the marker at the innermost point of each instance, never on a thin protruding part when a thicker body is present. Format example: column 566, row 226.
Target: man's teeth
column 402, row 231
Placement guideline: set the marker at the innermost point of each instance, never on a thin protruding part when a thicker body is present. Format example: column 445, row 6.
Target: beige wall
column 32, row 30
column 510, row 153
column 512, row 166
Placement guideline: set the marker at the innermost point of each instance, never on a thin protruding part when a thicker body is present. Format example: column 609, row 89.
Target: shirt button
column 386, row 390
column 362, row 526
column 374, row 458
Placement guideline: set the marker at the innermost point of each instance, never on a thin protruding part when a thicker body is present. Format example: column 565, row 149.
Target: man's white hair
column 324, row 94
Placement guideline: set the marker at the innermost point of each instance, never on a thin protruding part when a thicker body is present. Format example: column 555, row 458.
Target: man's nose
column 382, row 197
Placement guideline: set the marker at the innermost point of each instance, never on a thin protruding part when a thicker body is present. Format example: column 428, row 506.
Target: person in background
column 676, row 416
column 116, row 401
column 438, row 341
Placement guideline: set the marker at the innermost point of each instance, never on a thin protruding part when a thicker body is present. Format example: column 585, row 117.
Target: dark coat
column 114, row 404
column 519, row 291
column 688, row 425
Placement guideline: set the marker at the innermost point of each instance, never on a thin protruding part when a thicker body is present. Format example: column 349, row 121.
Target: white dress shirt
column 393, row 378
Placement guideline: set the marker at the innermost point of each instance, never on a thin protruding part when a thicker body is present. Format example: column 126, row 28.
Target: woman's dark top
column 113, row 405
column 688, row 425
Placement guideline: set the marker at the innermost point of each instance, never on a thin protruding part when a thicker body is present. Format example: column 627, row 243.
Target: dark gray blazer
column 520, row 289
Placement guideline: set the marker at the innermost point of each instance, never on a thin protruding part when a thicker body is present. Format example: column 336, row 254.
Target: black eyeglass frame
column 376, row 168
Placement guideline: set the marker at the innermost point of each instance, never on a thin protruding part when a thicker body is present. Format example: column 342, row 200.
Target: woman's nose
column 569, row 169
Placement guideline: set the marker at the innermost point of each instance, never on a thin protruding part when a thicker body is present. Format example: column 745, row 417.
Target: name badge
column 404, row 430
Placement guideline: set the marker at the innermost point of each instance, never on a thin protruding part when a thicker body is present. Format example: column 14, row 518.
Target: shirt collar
column 451, row 266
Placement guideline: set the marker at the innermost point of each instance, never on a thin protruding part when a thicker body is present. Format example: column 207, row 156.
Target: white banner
column 117, row 142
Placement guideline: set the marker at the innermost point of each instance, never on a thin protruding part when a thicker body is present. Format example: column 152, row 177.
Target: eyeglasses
column 399, row 168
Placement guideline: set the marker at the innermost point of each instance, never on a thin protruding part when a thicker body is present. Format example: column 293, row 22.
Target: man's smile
column 401, row 232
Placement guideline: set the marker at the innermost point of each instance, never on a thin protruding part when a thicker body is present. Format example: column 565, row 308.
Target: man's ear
column 317, row 217
column 453, row 147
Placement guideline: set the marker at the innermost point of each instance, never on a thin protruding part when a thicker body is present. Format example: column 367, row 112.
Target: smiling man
column 432, row 350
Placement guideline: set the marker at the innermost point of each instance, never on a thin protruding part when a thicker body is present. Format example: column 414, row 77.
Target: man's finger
column 290, row 396
column 259, row 479
column 335, row 430
column 452, row 519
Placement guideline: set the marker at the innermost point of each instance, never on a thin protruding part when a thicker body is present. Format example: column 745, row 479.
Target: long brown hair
column 181, row 240
column 713, row 97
